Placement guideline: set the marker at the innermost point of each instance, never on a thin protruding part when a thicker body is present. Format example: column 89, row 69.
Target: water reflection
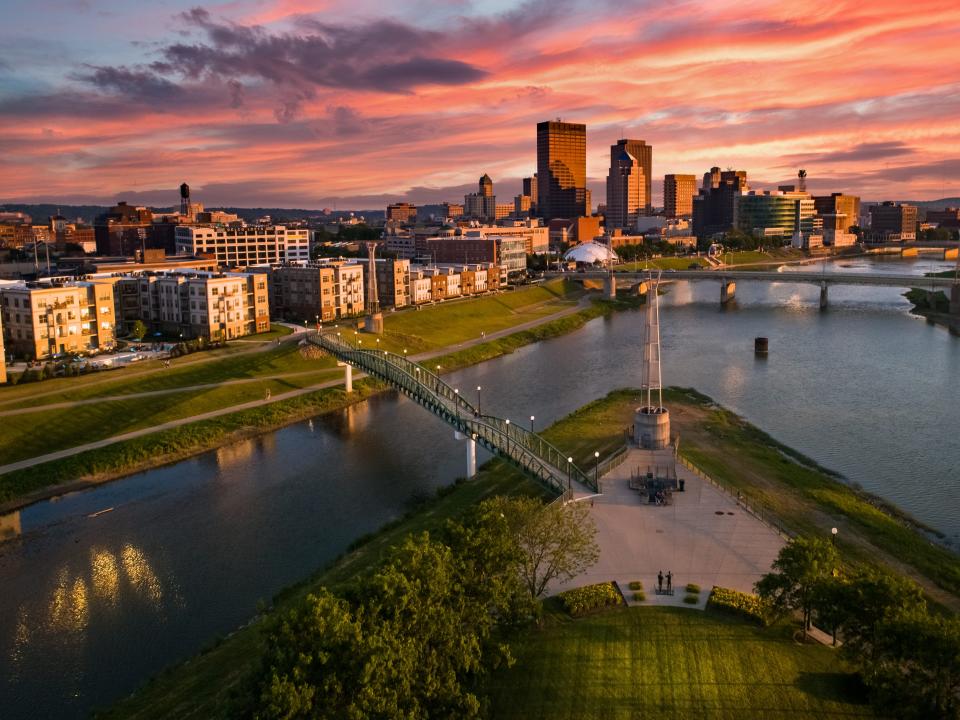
column 10, row 526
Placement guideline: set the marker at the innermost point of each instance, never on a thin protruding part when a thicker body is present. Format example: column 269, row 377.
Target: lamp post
column 569, row 463
column 532, row 418
column 596, row 471
column 478, row 399
column 833, row 535
column 318, row 323
column 456, row 391
column 508, row 435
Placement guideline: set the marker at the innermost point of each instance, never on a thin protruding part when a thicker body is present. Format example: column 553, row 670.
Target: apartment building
column 330, row 289
column 432, row 283
column 242, row 246
column 216, row 306
column 393, row 281
column 42, row 320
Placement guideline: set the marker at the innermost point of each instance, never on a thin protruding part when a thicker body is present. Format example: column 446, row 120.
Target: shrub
column 639, row 596
column 739, row 603
column 592, row 597
column 635, row 585
column 693, row 588
column 691, row 599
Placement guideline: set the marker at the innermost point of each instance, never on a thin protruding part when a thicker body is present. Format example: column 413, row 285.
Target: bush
column 691, row 599
column 580, row 601
column 739, row 603
column 693, row 588
column 639, row 596
column 635, row 585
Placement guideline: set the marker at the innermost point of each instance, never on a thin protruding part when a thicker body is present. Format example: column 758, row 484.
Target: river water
column 103, row 588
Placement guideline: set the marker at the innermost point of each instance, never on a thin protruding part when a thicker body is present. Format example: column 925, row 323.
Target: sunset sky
column 356, row 103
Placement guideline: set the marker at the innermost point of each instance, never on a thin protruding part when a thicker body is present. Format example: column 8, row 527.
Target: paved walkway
column 703, row 537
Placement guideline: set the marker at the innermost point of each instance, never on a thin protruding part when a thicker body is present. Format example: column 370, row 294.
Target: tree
column 870, row 598
column 801, row 566
column 139, row 330
column 557, row 541
column 915, row 669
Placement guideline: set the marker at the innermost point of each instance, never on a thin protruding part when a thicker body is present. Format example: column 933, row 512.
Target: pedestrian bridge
column 523, row 448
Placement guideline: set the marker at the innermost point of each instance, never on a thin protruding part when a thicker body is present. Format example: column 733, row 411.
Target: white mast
column 651, row 386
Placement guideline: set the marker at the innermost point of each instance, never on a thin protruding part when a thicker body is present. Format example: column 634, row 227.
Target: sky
column 356, row 103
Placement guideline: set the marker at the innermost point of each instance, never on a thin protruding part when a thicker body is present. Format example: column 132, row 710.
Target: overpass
column 728, row 279
column 523, row 448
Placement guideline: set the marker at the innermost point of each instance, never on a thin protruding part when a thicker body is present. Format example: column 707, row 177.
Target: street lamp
column 569, row 463
column 478, row 399
column 508, row 435
column 456, row 391
column 596, row 471
column 833, row 535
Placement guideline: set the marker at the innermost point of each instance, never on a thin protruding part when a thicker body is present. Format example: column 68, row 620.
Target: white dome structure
column 589, row 253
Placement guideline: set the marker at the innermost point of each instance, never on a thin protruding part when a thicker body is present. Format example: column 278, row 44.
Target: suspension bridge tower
column 651, row 421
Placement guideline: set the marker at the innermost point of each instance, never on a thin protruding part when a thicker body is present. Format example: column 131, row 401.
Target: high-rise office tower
column 678, row 192
column 486, row 186
column 530, row 190
column 561, row 169
column 625, row 186
column 644, row 155
column 483, row 203
column 713, row 207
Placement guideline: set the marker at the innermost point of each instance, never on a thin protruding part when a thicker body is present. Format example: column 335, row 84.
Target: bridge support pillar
column 471, row 453
column 347, row 375
column 823, row 296
column 610, row 287
column 727, row 291
column 955, row 300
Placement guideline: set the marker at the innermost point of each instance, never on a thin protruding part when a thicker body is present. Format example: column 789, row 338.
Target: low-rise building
column 328, row 289
column 42, row 320
column 403, row 213
column 393, row 281
column 507, row 252
column 216, row 306
column 243, row 246
column 892, row 221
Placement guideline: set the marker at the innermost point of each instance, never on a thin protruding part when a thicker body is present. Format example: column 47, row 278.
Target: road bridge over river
column 728, row 279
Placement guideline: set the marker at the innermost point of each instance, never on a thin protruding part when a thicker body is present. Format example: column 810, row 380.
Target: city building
column 123, row 229
column 522, row 206
column 839, row 204
column 41, row 320
column 483, row 203
column 946, row 218
column 194, row 304
column 507, row 251
column 644, row 155
column 433, row 283
column 774, row 214
column 402, row 244
column 893, row 222
column 625, row 188
column 835, row 230
column 403, row 213
column 242, row 246
column 393, row 281
column 713, row 206
column 561, row 170
column 451, row 211
column 536, row 237
column 678, row 192
column 530, row 190
column 564, row 232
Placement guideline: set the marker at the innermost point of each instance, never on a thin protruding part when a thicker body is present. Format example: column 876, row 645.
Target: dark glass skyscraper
column 561, row 170
column 644, row 155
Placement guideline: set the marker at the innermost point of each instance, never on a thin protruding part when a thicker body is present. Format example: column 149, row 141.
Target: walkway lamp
column 596, row 471
column 456, row 391
column 532, row 418
column 508, row 435
column 478, row 399
column 569, row 463
column 833, row 535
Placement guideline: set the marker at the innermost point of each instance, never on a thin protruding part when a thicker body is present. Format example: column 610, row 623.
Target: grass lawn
column 457, row 321
column 664, row 263
column 642, row 662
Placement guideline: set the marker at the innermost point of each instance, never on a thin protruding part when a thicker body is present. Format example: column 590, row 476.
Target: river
column 103, row 588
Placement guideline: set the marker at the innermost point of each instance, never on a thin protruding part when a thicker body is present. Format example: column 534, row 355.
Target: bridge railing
column 524, row 448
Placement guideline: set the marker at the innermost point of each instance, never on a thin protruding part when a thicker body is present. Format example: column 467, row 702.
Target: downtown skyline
column 301, row 104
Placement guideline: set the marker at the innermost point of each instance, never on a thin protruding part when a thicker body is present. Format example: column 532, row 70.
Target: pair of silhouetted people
column 660, row 582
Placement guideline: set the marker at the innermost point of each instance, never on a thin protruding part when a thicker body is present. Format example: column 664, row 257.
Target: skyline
column 300, row 104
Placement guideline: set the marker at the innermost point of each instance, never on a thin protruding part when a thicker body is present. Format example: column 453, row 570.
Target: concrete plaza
column 703, row 537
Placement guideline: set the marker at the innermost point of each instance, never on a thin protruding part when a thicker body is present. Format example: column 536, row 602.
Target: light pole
column 596, row 471
column 569, row 463
column 833, row 535
column 456, row 391
column 532, row 418
column 478, row 399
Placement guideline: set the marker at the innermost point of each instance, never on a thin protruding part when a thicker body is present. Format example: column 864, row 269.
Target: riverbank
column 935, row 307
column 806, row 499
column 93, row 467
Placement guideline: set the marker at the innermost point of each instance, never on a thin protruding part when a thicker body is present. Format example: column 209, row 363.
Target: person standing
column 660, row 582
column 669, row 582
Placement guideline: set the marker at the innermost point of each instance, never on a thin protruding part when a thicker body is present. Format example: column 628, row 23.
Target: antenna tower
column 802, row 177
column 373, row 301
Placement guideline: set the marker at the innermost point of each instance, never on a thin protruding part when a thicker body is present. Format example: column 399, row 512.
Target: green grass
column 653, row 662
column 457, row 321
column 664, row 263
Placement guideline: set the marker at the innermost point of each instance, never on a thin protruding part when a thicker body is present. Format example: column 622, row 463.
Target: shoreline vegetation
column 934, row 307
column 806, row 498
column 24, row 487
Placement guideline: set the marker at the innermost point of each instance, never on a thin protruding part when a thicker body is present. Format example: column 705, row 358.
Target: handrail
column 527, row 450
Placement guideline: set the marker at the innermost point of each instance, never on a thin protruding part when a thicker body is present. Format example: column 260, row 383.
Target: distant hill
column 41, row 211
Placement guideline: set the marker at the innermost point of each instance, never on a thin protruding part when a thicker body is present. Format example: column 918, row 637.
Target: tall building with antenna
column 651, row 421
